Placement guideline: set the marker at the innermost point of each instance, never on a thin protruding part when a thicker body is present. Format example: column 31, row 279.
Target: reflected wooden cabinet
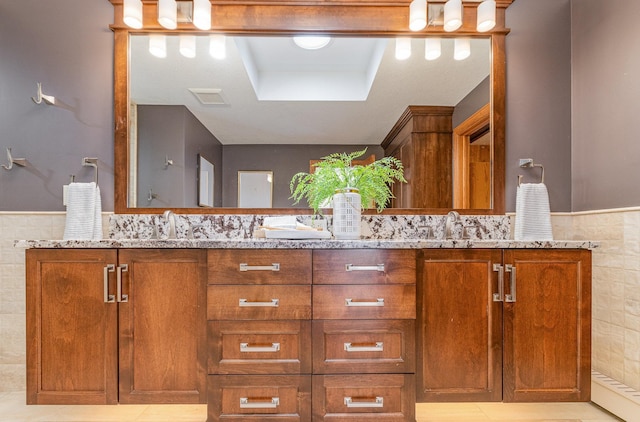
column 512, row 325
column 107, row 326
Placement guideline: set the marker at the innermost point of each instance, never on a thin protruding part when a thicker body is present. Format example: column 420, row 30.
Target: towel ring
column 91, row 162
column 528, row 163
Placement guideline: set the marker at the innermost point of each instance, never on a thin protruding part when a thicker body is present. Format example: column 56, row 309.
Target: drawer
column 364, row 302
column 259, row 347
column 259, row 266
column 364, row 266
column 277, row 398
column 258, row 302
column 364, row 346
column 387, row 398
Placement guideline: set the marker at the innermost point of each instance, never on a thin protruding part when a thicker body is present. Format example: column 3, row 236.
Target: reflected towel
column 533, row 216
column 84, row 212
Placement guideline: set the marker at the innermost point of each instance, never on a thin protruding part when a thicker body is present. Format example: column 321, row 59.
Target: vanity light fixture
column 202, row 14
column 311, row 42
column 403, row 48
column 158, row 45
column 486, row 16
column 218, row 46
column 168, row 13
column 418, row 15
column 188, row 45
column 452, row 15
column 462, row 48
column 132, row 15
column 432, row 48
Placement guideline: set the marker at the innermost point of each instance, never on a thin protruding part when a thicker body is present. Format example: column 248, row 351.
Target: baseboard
column 616, row 397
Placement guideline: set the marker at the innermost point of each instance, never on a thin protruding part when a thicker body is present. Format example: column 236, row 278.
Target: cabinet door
column 459, row 334
column 547, row 343
column 71, row 330
column 162, row 326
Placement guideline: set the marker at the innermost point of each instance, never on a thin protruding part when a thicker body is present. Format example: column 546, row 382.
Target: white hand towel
column 533, row 216
column 84, row 212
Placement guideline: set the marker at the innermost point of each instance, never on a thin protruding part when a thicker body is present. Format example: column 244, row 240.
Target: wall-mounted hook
column 167, row 162
column 91, row 162
column 48, row 99
column 17, row 161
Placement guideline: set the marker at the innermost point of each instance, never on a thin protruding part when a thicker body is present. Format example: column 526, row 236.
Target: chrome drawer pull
column 119, row 296
column 499, row 297
column 512, row 278
column 107, row 297
column 358, row 302
column 259, row 402
column 351, row 267
column 247, row 267
column 260, row 348
column 273, row 303
column 364, row 401
column 378, row 346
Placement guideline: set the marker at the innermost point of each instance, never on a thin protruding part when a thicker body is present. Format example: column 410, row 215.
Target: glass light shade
column 452, row 15
column 132, row 13
column 486, row 16
column 432, row 48
column 202, row 14
column 158, row 45
column 188, row 45
column 403, row 48
column 218, row 46
column 418, row 15
column 168, row 13
column 462, row 48
column 311, row 42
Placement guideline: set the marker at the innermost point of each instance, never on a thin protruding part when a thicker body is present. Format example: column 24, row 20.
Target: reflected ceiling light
column 452, row 15
column 218, row 46
column 403, row 48
column 132, row 15
column 158, row 45
column 311, row 42
column 432, row 48
column 418, row 15
column 188, row 45
column 202, row 14
column 486, row 16
column 462, row 48
column 168, row 13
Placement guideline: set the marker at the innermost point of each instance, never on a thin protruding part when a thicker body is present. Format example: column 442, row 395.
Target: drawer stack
column 363, row 334
column 259, row 335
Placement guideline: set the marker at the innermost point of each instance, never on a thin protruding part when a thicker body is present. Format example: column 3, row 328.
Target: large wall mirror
column 270, row 105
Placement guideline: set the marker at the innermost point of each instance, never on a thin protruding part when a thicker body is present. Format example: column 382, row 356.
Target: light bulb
column 452, row 15
column 202, row 14
column 462, row 48
column 132, row 13
column 218, row 46
column 188, row 45
column 486, row 16
column 418, row 15
column 432, row 48
column 403, row 48
column 168, row 13
column 158, row 45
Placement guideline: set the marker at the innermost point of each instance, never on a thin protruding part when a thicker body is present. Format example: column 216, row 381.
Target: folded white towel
column 533, row 216
column 84, row 212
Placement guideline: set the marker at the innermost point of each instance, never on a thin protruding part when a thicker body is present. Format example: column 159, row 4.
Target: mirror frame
column 288, row 17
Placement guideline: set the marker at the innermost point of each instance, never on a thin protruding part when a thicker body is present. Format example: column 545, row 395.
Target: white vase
column 347, row 210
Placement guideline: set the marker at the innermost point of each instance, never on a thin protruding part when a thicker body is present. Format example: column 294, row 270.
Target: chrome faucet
column 452, row 218
column 171, row 217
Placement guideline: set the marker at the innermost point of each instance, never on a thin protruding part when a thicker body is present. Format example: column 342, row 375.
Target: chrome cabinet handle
column 377, row 267
column 378, row 346
column 259, row 348
column 109, row 268
column 499, row 297
column 273, row 303
column 247, row 267
column 512, row 277
column 259, row 402
column 364, row 401
column 119, row 296
column 358, row 302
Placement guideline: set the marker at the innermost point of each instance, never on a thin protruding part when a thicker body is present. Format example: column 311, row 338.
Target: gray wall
column 473, row 102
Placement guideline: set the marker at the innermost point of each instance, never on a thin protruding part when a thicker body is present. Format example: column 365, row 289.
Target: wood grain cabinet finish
column 259, row 266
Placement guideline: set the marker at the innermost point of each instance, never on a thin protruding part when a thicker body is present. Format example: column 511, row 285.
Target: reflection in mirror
column 255, row 189
column 271, row 104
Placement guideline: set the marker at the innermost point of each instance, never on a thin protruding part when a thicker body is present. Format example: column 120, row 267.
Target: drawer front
column 364, row 266
column 364, row 302
column 388, row 398
column 259, row 347
column 364, row 346
column 258, row 302
column 279, row 398
column 259, row 266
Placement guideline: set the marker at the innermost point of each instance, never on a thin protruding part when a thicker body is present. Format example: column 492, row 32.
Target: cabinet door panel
column 548, row 327
column 460, row 340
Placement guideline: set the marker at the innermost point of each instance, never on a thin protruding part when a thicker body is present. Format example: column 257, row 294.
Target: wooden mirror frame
column 287, row 17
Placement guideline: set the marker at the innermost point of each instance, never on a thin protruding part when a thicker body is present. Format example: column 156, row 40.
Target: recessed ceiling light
column 311, row 42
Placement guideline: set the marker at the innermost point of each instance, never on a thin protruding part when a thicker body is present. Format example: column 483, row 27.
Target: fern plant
column 335, row 172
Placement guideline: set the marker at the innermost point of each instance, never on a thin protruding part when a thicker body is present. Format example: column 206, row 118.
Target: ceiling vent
column 209, row 96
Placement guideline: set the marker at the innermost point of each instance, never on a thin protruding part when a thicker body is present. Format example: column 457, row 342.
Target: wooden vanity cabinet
column 107, row 326
column 528, row 342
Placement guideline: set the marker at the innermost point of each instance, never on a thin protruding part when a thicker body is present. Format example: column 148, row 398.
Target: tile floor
column 13, row 409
